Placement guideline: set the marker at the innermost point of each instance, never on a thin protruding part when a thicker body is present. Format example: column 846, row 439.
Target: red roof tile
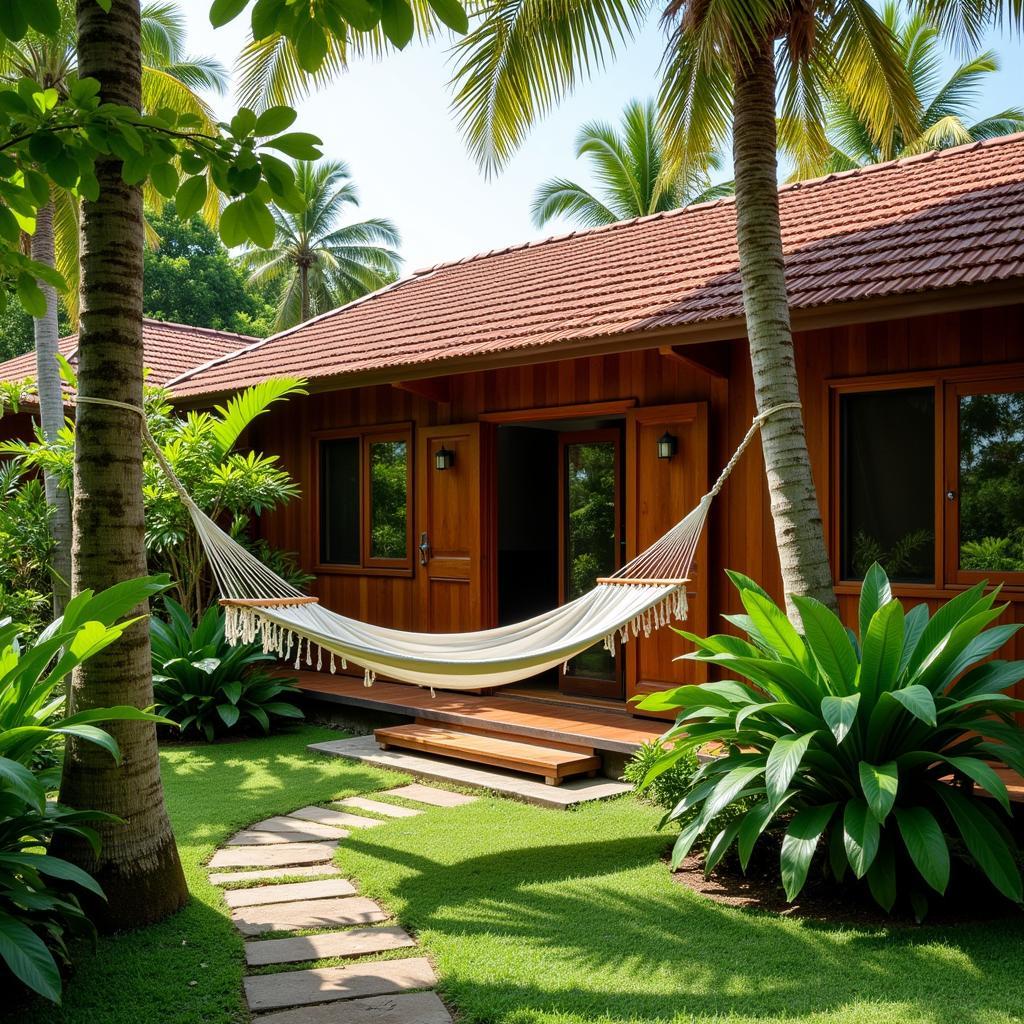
column 169, row 350
column 913, row 225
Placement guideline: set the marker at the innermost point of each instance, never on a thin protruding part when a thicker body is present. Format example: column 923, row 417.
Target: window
column 364, row 485
column 929, row 477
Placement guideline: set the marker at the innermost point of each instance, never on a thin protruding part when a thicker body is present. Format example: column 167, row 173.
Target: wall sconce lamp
column 444, row 458
column 667, row 446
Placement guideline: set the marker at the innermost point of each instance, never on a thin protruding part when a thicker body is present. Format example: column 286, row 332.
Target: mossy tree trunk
column 794, row 505
column 138, row 867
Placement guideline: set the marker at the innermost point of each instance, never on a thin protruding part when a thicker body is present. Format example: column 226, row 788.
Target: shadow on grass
column 596, row 930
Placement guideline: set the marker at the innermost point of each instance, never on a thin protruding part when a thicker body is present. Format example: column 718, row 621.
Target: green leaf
column 720, row 845
column 861, row 834
column 229, row 714
column 13, row 22
column 31, row 296
column 191, row 196
column 223, row 11
column 92, row 734
column 360, row 14
column 984, row 775
column 755, row 821
column 926, row 845
column 397, row 22
column 297, row 145
column 918, row 700
column 165, row 179
column 986, row 843
column 451, row 13
column 840, row 713
column 776, row 629
column 881, row 650
column 28, row 959
column 783, row 761
column 274, row 120
column 875, row 592
column 311, row 46
column 232, row 691
column 882, row 876
column 231, row 226
column 829, row 642
column 43, row 16
column 799, row 844
column 258, row 221
column 728, row 788
column 879, row 784
column 22, row 783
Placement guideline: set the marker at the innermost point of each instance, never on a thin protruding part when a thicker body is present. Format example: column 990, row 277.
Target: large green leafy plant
column 26, row 545
column 39, row 893
column 848, row 748
column 209, row 686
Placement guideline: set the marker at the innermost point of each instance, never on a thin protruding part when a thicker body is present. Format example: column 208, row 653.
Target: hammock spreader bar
column 647, row 593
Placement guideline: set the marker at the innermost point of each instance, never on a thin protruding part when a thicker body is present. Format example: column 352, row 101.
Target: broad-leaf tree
column 317, row 263
column 629, row 164
column 945, row 105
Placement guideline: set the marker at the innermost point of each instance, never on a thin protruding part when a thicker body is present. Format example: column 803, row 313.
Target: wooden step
column 553, row 763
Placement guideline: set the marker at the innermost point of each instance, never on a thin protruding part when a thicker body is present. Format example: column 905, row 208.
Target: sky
column 390, row 121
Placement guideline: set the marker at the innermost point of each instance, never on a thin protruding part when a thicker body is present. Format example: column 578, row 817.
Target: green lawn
column 533, row 916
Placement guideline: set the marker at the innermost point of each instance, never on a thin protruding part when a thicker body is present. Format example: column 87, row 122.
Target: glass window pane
column 389, row 461
column 991, row 431
column 590, row 536
column 339, row 501
column 887, row 483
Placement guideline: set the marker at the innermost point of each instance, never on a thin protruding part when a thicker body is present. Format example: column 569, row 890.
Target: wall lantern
column 667, row 446
column 444, row 458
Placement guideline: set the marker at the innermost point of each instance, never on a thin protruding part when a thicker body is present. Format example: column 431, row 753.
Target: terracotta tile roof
column 170, row 349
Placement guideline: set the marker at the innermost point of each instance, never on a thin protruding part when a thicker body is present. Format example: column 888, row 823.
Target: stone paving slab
column 412, row 1008
column 223, row 877
column 302, row 988
column 277, row 856
column 291, row 917
column 249, row 838
column 286, row 825
column 289, row 893
column 351, row 942
column 430, row 795
column 339, row 819
column 388, row 810
column 510, row 784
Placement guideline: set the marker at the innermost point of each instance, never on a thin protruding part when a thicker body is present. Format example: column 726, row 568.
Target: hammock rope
column 646, row 593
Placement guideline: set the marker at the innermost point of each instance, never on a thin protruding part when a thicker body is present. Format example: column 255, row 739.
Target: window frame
column 367, row 565
column 948, row 383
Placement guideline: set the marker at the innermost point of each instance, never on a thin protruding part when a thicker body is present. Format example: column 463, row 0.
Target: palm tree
column 944, row 108
column 316, row 265
column 629, row 164
column 723, row 65
column 137, row 864
column 170, row 78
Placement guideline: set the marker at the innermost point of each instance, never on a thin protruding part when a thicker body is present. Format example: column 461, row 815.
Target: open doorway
column 560, row 527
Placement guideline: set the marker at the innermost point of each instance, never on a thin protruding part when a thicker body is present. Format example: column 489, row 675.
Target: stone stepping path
column 289, row 893
column 302, row 844
column 353, row 942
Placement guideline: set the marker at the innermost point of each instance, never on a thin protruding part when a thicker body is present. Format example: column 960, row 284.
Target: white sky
column 390, row 121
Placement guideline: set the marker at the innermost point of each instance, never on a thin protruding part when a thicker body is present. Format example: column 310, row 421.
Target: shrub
column 26, row 545
column 39, row 906
column 207, row 685
column 848, row 746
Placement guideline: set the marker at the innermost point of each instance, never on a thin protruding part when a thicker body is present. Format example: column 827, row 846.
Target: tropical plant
column 27, row 545
column 228, row 485
column 316, row 264
column 944, row 105
column 39, row 905
column 667, row 788
column 629, row 164
column 209, row 686
column 169, row 80
column 850, row 746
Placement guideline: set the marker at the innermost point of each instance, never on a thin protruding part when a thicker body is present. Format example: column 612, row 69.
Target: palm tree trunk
column 794, row 505
column 138, row 866
column 304, row 291
column 51, row 412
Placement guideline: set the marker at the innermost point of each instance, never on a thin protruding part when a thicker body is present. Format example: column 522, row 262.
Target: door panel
column 449, row 531
column 660, row 492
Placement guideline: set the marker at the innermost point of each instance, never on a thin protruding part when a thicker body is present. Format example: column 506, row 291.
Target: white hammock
column 645, row 594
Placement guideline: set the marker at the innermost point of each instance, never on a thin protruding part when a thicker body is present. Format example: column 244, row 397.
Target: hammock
column 645, row 594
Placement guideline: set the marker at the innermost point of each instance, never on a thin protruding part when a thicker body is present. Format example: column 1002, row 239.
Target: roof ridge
column 928, row 155
column 195, row 329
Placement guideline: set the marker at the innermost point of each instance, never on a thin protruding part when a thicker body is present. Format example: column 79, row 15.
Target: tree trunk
column 51, row 412
column 304, row 291
column 138, row 867
column 794, row 505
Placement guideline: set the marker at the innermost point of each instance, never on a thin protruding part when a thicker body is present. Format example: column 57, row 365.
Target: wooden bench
column 554, row 763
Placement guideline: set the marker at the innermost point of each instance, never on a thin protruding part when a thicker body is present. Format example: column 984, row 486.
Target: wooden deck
column 615, row 731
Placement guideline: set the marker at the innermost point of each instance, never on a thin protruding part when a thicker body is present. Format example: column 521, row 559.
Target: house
column 483, row 438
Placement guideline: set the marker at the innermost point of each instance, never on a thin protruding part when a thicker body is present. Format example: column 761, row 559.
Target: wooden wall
column 740, row 530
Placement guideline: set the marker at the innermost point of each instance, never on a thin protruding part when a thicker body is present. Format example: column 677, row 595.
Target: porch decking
column 613, row 731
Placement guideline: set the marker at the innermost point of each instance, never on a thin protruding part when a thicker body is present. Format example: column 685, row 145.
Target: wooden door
column 659, row 492
column 589, row 544
column 450, row 535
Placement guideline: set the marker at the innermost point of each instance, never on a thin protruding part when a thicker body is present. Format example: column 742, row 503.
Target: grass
column 532, row 916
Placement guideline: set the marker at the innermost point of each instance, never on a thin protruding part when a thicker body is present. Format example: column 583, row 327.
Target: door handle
column 424, row 548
